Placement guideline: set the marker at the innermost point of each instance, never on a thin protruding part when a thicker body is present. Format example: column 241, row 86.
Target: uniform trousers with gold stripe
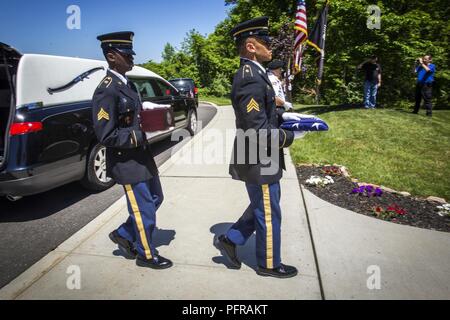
column 143, row 201
column 263, row 215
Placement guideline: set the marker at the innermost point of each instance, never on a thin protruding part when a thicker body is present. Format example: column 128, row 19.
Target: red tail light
column 196, row 90
column 24, row 127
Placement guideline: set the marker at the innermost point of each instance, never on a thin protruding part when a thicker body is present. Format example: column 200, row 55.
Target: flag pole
column 288, row 87
column 322, row 58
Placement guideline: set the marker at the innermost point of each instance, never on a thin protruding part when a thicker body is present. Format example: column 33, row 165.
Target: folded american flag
column 305, row 124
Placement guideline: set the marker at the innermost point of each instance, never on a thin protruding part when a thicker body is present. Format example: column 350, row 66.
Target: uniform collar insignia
column 118, row 76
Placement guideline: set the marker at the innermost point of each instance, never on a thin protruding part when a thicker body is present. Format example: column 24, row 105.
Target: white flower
column 319, row 181
column 444, row 210
column 330, row 179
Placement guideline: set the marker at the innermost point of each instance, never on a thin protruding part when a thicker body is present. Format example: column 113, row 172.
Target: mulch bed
column 419, row 212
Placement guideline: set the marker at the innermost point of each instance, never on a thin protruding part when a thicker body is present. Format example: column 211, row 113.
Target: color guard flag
column 301, row 34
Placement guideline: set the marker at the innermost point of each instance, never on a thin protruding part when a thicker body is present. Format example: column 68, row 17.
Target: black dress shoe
column 125, row 246
column 157, row 262
column 283, row 271
column 228, row 249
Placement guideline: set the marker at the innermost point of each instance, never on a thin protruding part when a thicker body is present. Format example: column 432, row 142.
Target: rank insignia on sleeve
column 252, row 105
column 102, row 114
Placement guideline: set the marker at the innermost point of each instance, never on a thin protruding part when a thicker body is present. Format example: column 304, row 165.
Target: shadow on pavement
column 161, row 237
column 246, row 253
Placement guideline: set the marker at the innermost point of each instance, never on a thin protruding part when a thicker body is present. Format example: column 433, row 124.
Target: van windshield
column 182, row 83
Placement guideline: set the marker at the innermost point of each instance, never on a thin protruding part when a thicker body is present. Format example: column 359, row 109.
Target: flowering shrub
column 319, row 181
column 331, row 171
column 390, row 213
column 444, row 210
column 368, row 191
column 396, row 209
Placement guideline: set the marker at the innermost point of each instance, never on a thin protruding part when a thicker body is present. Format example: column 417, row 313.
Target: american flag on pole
column 301, row 34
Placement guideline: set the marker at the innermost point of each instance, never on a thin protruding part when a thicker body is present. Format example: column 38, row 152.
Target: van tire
column 95, row 163
column 192, row 126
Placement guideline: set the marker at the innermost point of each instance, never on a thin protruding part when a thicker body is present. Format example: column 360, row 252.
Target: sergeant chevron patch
column 252, row 105
column 102, row 114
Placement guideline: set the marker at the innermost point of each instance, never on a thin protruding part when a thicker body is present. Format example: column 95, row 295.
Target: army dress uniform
column 253, row 100
column 129, row 159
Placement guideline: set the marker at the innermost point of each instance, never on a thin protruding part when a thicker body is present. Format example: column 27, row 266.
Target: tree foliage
column 409, row 29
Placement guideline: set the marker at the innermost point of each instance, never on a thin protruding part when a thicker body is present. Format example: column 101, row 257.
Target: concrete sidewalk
column 201, row 202
column 412, row 263
column 353, row 251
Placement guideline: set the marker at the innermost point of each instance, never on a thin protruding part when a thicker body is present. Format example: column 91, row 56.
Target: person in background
column 425, row 71
column 372, row 81
column 275, row 74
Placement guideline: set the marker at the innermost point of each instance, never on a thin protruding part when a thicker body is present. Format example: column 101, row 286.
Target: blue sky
column 40, row 26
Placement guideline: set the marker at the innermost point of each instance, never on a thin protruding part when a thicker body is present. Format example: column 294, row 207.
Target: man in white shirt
column 274, row 72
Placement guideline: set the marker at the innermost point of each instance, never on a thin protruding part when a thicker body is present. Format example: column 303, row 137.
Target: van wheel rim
column 100, row 166
column 193, row 122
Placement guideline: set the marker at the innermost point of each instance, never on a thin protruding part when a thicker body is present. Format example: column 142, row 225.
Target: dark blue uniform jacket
column 116, row 108
column 253, row 100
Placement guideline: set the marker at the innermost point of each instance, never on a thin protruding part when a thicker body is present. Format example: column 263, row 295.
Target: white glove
column 293, row 116
column 147, row 105
column 299, row 134
column 288, row 106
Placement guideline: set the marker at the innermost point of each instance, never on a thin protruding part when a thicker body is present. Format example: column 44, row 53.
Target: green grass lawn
column 387, row 147
column 219, row 101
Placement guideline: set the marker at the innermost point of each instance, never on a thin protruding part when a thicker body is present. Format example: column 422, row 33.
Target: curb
column 210, row 103
column 30, row 276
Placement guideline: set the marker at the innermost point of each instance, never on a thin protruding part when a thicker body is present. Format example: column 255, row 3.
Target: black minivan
column 46, row 132
column 187, row 87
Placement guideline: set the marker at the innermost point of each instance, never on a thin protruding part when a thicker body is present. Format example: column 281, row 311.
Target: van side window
column 166, row 90
column 146, row 88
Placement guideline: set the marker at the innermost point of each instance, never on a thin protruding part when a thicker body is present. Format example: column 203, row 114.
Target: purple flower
column 378, row 192
column 355, row 190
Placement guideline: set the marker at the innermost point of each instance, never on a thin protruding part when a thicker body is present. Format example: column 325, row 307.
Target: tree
column 168, row 53
column 409, row 29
